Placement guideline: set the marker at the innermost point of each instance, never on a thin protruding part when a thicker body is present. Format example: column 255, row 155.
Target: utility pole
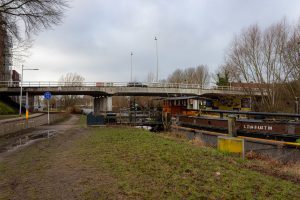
column 20, row 100
column 156, row 59
column 131, row 54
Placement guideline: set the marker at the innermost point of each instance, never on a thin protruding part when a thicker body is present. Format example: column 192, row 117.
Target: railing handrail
column 117, row 84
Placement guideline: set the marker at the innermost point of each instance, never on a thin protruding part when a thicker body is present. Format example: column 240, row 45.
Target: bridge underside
column 102, row 95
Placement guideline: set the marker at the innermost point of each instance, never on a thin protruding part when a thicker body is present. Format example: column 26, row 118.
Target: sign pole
column 47, row 95
column 48, row 113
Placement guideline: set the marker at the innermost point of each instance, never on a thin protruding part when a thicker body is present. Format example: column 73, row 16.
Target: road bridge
column 102, row 91
column 117, row 89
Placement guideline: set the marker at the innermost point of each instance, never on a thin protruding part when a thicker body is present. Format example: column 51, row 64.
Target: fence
column 18, row 125
column 117, row 84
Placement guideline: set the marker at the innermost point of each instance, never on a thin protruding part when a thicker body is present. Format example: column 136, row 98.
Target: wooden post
column 231, row 126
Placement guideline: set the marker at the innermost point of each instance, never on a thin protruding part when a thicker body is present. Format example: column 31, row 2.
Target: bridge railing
column 17, row 84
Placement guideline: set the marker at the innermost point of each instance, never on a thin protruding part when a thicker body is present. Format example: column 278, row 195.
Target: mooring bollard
column 231, row 126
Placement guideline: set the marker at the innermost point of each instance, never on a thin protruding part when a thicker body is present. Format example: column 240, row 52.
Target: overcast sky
column 97, row 36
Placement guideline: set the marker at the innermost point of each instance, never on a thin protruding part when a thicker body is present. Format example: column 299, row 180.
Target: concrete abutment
column 102, row 105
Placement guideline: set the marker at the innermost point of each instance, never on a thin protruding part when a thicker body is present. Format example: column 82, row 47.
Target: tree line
column 192, row 75
column 269, row 59
column 264, row 60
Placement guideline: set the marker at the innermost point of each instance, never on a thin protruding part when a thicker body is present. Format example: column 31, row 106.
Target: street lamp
column 20, row 109
column 155, row 38
column 131, row 54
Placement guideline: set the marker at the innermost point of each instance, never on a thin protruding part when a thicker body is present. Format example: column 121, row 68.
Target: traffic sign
column 47, row 95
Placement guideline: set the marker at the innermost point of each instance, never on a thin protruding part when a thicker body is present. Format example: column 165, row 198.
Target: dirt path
column 72, row 122
column 13, row 142
column 44, row 167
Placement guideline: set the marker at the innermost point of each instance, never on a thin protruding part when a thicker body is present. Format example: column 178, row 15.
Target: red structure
column 15, row 76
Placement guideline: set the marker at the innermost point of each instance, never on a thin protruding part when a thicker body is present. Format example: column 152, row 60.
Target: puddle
column 18, row 142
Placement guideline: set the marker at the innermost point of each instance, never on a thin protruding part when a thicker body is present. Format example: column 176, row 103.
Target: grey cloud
column 97, row 37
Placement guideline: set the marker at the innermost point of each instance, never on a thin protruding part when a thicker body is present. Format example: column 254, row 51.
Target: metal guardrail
column 17, row 84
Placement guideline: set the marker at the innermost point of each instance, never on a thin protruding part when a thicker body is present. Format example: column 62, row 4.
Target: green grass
column 6, row 110
column 149, row 166
column 8, row 116
column 127, row 163
column 82, row 121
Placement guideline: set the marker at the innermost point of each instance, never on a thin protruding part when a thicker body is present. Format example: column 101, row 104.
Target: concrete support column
column 102, row 105
column 109, row 104
column 31, row 103
column 96, row 106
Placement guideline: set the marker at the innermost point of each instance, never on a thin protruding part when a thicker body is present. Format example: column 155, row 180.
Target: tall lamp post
column 20, row 109
column 131, row 54
column 156, row 59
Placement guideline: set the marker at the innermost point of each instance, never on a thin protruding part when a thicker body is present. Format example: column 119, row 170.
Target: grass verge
column 126, row 163
column 6, row 110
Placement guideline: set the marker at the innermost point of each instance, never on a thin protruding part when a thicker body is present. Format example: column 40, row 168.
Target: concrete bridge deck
column 118, row 89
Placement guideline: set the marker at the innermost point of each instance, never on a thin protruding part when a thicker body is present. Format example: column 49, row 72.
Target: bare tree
column 71, row 80
column 176, row 77
column 202, row 76
column 18, row 20
column 20, row 50
column 292, row 52
column 197, row 75
column 258, row 57
column 34, row 15
column 189, row 75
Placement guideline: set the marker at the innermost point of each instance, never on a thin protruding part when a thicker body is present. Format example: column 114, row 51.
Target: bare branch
column 35, row 14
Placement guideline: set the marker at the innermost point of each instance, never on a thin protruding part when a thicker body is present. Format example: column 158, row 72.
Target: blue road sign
column 47, row 95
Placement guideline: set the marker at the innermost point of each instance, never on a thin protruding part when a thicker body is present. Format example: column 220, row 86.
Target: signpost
column 47, row 95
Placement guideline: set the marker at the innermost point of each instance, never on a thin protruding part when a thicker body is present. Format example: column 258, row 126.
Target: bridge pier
column 102, row 105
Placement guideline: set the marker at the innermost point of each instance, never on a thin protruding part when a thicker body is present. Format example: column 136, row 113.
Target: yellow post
column 27, row 114
column 26, row 118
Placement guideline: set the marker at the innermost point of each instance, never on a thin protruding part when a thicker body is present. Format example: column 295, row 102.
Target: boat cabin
column 184, row 105
column 192, row 105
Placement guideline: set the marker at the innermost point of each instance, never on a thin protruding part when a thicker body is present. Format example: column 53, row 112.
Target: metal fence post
column 231, row 126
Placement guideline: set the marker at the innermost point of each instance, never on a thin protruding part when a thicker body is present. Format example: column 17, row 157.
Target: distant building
column 5, row 53
column 16, row 78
